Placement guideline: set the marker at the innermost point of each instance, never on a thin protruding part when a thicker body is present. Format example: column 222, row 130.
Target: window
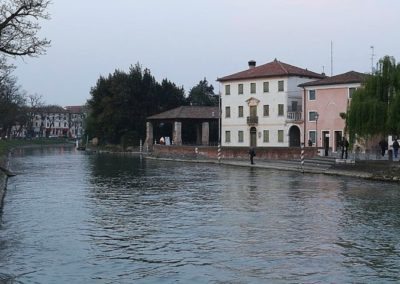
column 253, row 111
column 311, row 136
column 240, row 89
column 240, row 136
column 312, row 116
column 351, row 92
column 266, row 110
column 227, row 112
column 280, row 136
column 227, row 136
column 266, row 87
column 227, row 89
column 280, row 110
column 266, row 136
column 252, row 88
column 280, row 86
column 240, row 111
column 311, row 95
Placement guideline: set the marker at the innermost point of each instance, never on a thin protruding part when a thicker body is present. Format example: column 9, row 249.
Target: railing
column 251, row 120
column 294, row 116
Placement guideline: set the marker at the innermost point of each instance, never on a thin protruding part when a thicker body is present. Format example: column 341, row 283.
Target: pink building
column 324, row 102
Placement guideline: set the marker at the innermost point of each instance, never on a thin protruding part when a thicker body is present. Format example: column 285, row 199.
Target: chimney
column 252, row 64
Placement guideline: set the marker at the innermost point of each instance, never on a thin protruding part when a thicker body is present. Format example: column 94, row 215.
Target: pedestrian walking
column 252, row 154
column 384, row 145
column 345, row 147
column 395, row 148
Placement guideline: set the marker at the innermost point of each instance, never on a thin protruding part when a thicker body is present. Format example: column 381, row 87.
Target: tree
column 202, row 95
column 121, row 103
column 374, row 109
column 11, row 103
column 19, row 27
column 34, row 103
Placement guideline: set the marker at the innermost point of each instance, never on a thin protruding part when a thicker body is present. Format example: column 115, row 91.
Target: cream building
column 262, row 106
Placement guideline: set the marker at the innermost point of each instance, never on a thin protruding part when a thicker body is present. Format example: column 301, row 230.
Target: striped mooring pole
column 219, row 152
column 302, row 158
column 141, row 146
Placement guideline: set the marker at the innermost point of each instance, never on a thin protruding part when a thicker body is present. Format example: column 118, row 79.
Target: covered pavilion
column 187, row 125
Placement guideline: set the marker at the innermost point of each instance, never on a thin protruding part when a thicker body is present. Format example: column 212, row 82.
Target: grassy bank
column 6, row 145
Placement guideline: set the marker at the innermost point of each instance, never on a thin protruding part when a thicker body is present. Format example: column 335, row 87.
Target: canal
column 75, row 218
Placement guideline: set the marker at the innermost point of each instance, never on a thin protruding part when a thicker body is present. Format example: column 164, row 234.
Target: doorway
column 338, row 139
column 294, row 136
column 325, row 141
column 253, row 137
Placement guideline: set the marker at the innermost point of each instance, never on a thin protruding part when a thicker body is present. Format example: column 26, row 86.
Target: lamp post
column 316, row 129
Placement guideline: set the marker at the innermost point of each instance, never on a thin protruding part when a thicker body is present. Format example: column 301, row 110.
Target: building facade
column 53, row 121
column 326, row 102
column 263, row 106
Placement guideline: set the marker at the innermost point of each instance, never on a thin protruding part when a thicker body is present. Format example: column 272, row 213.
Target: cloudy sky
column 186, row 41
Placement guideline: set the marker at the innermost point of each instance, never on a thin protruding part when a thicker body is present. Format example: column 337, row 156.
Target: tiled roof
column 272, row 69
column 75, row 109
column 52, row 109
column 345, row 78
column 188, row 112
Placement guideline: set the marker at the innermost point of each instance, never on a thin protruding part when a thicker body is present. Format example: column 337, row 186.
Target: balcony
column 252, row 120
column 294, row 116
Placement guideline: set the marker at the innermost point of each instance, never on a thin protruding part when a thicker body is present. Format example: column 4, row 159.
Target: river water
column 75, row 218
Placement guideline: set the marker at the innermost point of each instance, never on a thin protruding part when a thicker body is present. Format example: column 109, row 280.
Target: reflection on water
column 75, row 218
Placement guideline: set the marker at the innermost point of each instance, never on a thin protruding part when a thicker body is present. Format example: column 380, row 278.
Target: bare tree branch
column 19, row 27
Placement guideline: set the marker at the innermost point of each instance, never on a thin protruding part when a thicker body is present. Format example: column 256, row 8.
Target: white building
column 262, row 106
column 52, row 121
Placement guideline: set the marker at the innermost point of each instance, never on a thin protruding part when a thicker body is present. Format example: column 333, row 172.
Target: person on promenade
column 252, row 154
column 345, row 146
column 384, row 145
column 395, row 148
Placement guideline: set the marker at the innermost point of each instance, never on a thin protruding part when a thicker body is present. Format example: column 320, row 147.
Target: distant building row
column 53, row 121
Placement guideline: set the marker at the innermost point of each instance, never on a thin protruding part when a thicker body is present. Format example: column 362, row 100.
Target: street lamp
column 316, row 129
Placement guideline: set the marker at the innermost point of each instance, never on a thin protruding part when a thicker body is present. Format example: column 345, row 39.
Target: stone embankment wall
column 3, row 181
column 204, row 152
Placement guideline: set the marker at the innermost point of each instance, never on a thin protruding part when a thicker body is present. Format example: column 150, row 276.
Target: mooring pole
column 302, row 158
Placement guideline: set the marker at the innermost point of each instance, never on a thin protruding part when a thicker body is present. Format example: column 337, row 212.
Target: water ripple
column 122, row 219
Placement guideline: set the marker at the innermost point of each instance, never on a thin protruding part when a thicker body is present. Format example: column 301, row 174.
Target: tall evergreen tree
column 121, row 102
column 202, row 95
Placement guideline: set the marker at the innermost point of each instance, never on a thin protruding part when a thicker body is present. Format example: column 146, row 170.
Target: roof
column 188, row 112
column 75, row 109
column 272, row 69
column 51, row 109
column 350, row 77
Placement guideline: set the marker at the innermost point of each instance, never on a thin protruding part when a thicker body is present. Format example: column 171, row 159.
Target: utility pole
column 331, row 58
column 372, row 59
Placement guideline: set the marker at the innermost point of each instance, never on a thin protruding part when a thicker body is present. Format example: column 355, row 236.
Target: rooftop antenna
column 372, row 59
column 331, row 58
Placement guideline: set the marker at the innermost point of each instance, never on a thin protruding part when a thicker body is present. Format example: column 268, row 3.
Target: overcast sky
column 185, row 41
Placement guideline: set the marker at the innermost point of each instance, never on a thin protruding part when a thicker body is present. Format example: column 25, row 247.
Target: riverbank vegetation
column 121, row 102
column 6, row 145
column 19, row 37
column 374, row 109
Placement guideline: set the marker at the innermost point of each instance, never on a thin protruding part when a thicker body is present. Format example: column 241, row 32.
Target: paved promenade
column 375, row 168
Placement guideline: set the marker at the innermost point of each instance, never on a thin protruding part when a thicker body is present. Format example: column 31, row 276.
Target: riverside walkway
column 366, row 167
